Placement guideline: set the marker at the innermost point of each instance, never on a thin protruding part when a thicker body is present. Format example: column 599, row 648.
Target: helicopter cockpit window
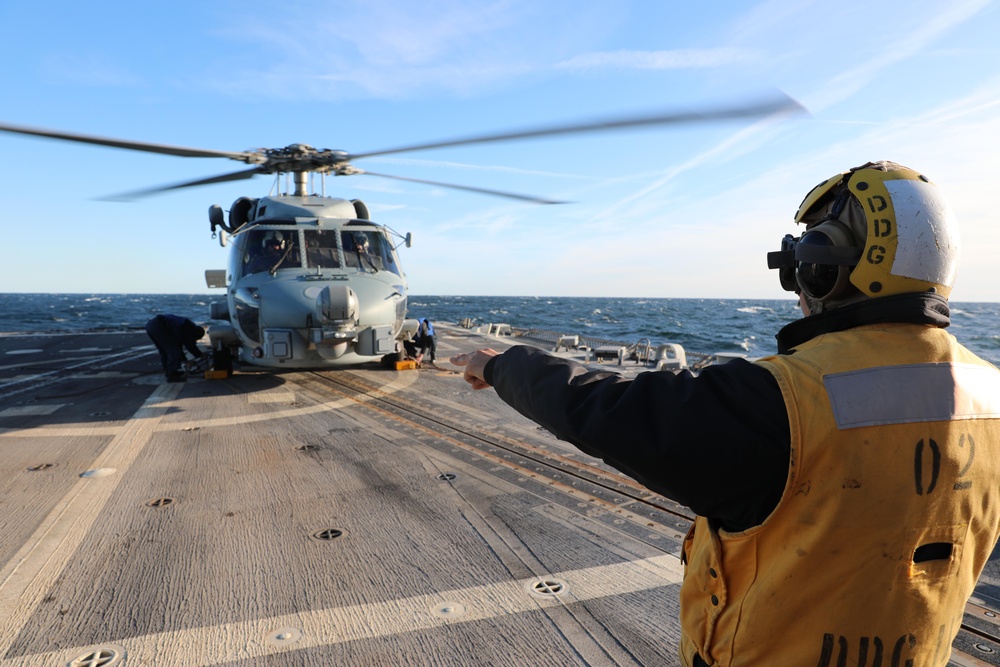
column 368, row 250
column 270, row 250
column 321, row 249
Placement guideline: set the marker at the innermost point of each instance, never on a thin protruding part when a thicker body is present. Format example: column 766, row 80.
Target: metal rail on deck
column 606, row 484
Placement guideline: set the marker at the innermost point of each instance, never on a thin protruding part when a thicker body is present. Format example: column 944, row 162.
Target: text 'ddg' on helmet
column 880, row 229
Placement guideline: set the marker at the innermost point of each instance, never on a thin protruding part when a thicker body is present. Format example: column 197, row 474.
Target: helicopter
column 312, row 282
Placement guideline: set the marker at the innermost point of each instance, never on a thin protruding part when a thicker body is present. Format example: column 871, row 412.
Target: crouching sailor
column 172, row 334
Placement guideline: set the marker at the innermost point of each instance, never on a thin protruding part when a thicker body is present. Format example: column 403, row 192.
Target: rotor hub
column 300, row 158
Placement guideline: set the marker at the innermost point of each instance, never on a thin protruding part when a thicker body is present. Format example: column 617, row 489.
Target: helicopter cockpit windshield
column 361, row 249
column 368, row 250
column 321, row 249
column 270, row 250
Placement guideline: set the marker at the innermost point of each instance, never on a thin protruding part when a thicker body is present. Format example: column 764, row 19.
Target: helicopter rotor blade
column 485, row 191
column 164, row 149
column 780, row 104
column 302, row 158
column 235, row 176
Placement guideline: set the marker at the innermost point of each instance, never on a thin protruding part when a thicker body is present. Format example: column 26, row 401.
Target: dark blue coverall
column 171, row 334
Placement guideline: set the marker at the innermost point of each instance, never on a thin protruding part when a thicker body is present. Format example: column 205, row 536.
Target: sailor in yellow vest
column 846, row 487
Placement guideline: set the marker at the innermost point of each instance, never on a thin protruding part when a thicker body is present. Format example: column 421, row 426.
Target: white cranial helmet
column 879, row 229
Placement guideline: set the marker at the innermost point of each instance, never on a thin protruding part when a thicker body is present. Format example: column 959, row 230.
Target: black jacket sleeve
column 192, row 345
column 717, row 442
column 190, row 334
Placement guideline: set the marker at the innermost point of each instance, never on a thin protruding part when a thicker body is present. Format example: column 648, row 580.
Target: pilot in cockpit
column 361, row 251
column 360, row 243
column 271, row 254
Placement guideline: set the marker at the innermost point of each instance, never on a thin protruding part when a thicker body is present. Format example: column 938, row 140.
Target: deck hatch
column 99, row 656
column 546, row 588
column 327, row 534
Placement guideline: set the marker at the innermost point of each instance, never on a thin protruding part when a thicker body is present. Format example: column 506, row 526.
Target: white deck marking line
column 49, row 377
column 272, row 397
column 60, row 431
column 249, row 419
column 33, row 570
column 405, row 380
column 248, row 640
column 53, row 432
column 25, row 410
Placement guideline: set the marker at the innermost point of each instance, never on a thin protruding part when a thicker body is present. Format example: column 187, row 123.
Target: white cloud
column 906, row 44
column 385, row 49
column 661, row 60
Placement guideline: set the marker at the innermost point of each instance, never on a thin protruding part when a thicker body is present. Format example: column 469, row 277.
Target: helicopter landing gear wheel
column 222, row 360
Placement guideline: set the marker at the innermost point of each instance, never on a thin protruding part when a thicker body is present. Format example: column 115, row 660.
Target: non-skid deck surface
column 356, row 517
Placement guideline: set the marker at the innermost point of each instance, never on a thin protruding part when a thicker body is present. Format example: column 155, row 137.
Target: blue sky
column 679, row 211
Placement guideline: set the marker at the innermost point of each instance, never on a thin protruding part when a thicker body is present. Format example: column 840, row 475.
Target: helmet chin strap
column 816, row 307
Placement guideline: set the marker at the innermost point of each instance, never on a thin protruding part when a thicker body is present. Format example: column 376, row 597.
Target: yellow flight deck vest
column 890, row 511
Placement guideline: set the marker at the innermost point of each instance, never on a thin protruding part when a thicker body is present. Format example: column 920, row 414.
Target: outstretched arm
column 475, row 366
column 718, row 442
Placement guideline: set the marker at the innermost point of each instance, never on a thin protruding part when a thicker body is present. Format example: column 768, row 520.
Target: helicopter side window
column 321, row 249
column 385, row 252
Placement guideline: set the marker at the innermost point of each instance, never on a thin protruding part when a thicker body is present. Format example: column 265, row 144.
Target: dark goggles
column 811, row 263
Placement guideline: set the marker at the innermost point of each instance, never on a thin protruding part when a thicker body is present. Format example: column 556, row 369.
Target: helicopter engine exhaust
column 336, row 311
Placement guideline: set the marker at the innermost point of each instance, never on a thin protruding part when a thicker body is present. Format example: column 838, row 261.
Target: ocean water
column 700, row 325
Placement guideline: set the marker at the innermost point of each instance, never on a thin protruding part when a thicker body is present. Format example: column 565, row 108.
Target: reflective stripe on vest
column 913, row 393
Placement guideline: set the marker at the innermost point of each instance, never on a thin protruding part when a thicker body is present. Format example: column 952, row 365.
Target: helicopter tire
column 389, row 360
column 222, row 360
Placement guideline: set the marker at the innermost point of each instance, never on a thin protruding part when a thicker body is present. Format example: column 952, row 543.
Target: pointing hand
column 474, row 363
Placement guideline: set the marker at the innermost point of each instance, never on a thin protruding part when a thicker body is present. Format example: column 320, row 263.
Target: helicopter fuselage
column 311, row 283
